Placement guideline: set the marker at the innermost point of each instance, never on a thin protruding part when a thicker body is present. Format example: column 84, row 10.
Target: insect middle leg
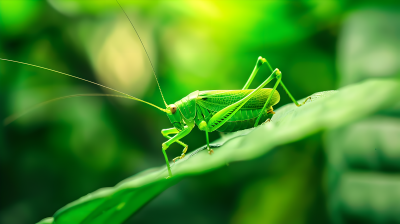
column 202, row 124
column 170, row 131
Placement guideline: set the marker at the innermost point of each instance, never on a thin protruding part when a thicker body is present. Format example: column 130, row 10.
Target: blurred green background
column 64, row 150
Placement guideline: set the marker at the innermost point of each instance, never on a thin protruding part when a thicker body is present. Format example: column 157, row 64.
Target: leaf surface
column 322, row 111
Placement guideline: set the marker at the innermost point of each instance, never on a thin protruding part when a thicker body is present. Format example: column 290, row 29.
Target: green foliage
column 363, row 157
column 323, row 111
column 326, row 173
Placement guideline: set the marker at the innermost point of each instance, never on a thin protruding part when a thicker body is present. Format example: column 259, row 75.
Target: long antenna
column 14, row 117
column 67, row 75
column 148, row 57
column 127, row 95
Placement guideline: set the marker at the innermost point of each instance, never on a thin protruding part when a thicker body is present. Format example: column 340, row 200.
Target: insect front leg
column 170, row 131
column 186, row 130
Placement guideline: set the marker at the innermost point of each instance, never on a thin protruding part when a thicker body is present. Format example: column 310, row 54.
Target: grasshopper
column 223, row 110
column 211, row 110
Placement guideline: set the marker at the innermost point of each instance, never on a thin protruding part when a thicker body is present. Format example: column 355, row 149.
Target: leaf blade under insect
column 325, row 111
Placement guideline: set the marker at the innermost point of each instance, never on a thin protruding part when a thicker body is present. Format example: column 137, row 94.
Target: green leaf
column 363, row 157
column 47, row 221
column 323, row 111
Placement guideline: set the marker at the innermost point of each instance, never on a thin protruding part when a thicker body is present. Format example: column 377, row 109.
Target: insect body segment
column 245, row 117
column 187, row 106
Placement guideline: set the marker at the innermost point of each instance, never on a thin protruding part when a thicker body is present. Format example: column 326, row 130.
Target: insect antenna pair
column 213, row 110
column 12, row 118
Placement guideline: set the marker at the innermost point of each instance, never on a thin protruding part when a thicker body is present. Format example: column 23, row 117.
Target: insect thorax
column 187, row 106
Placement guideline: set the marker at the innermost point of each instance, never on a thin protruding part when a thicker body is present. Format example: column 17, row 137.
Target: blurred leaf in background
column 57, row 153
column 364, row 157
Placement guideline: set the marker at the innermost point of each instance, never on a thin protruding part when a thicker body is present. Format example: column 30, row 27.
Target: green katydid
column 214, row 110
column 223, row 110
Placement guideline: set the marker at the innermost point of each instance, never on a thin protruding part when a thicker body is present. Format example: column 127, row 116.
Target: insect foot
column 179, row 157
column 268, row 120
column 210, row 151
column 308, row 98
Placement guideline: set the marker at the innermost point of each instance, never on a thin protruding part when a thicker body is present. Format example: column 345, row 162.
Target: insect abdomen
column 213, row 101
column 244, row 119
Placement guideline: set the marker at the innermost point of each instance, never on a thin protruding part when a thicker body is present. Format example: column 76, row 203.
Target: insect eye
column 173, row 109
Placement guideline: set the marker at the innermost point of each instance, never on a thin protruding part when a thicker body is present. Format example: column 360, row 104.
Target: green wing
column 216, row 100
